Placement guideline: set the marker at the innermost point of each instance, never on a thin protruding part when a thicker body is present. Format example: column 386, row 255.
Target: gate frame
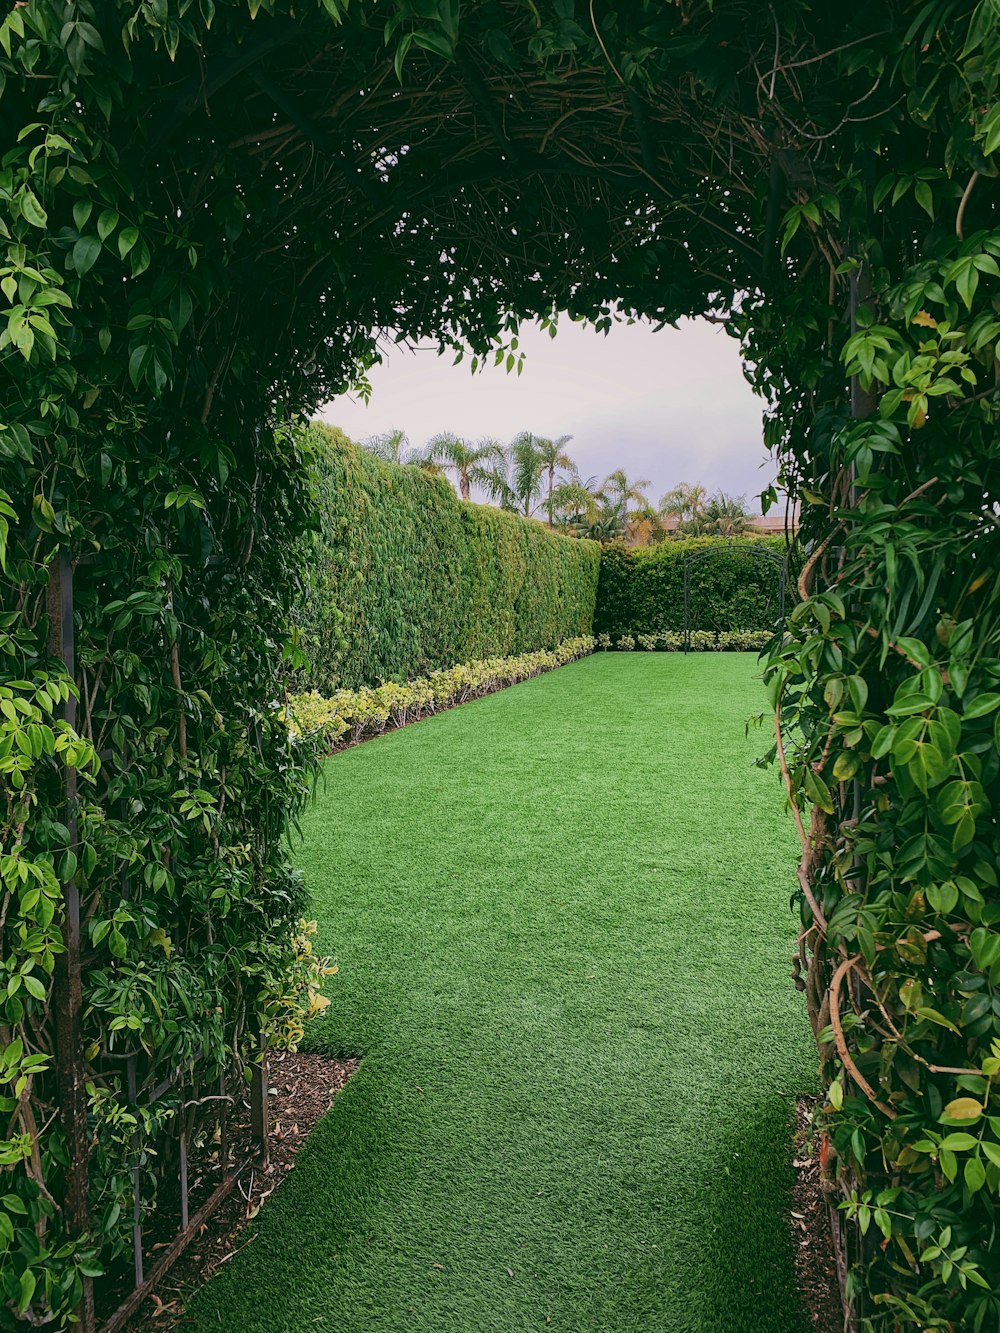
column 755, row 548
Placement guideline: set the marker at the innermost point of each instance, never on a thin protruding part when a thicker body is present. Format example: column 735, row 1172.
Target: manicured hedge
column 404, row 578
column 641, row 591
column 350, row 716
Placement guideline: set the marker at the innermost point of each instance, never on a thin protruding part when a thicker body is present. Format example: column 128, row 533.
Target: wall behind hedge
column 641, row 590
column 406, row 578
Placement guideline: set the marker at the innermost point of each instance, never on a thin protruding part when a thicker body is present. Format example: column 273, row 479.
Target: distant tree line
column 537, row 478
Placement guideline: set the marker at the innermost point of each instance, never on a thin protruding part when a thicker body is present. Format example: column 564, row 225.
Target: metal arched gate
column 756, row 550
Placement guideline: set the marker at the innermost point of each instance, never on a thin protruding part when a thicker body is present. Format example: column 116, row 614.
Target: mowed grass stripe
column 561, row 916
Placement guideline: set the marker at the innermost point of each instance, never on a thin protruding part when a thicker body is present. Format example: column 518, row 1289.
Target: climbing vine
column 886, row 683
column 209, row 213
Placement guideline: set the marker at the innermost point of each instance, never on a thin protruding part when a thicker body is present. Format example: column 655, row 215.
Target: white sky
column 670, row 406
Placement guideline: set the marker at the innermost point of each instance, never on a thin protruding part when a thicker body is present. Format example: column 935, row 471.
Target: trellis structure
column 210, row 212
column 754, row 551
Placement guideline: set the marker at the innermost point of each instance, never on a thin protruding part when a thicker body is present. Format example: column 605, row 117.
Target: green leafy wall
column 404, row 578
column 641, row 590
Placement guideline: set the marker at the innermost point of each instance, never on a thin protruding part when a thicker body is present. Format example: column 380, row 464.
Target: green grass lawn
column 561, row 916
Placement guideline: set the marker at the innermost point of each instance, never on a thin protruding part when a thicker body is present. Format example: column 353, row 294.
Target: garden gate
column 755, row 550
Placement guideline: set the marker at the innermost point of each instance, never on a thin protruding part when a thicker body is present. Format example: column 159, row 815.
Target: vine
column 209, row 214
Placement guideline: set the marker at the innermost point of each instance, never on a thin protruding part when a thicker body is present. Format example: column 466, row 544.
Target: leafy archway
column 209, row 211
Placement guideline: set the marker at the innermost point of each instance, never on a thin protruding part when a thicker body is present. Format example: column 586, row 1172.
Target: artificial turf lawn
column 561, row 916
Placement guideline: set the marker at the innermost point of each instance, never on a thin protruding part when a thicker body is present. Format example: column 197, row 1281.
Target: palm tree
column 471, row 464
column 727, row 515
column 515, row 481
column 643, row 526
column 619, row 492
column 526, row 466
column 574, row 504
column 551, row 454
column 686, row 504
column 392, row 446
column 608, row 526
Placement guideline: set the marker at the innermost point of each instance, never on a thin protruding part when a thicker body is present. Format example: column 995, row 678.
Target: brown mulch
column 302, row 1089
column 812, row 1240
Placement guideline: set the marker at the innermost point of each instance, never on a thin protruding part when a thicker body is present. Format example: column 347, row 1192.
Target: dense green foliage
column 406, row 578
column 579, row 1049
column 185, row 780
column 206, row 211
column 886, row 685
column 641, row 589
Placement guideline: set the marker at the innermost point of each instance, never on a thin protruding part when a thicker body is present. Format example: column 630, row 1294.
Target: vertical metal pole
column 687, row 603
column 223, row 1127
column 67, row 991
column 258, row 1102
column 862, row 405
column 182, row 1153
column 133, row 1096
column 782, row 580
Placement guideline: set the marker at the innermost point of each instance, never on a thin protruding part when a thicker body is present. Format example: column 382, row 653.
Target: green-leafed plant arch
column 209, row 211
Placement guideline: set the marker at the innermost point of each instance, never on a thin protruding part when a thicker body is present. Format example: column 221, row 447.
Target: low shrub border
column 702, row 641
column 348, row 717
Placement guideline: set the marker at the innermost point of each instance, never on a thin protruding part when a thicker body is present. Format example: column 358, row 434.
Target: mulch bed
column 302, row 1089
column 812, row 1240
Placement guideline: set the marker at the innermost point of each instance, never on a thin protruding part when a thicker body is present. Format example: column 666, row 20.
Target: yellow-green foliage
column 348, row 716
column 702, row 641
column 405, row 578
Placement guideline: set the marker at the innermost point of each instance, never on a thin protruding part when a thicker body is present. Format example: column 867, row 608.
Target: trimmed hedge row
column 351, row 716
column 641, row 590
column 404, row 578
column 702, row 641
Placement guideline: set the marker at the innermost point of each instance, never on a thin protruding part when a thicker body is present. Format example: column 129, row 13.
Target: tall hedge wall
column 406, row 578
column 641, row 590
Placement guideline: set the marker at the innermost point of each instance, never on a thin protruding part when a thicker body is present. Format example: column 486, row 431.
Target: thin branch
column 960, row 216
column 600, row 42
column 841, row 1043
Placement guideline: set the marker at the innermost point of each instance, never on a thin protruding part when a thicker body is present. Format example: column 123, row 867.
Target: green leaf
column 106, row 223
column 932, row 1016
column 817, row 790
column 400, row 57
column 31, row 209
column 989, row 126
column 434, row 41
column 959, row 1142
column 981, row 705
column 85, row 253
column 943, row 897
column 26, row 1290
column 962, row 1108
column 975, row 1174
column 34, row 987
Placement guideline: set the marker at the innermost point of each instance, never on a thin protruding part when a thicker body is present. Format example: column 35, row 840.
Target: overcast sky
column 670, row 406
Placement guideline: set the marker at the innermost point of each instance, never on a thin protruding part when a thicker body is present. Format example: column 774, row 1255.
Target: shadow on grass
column 748, row 1276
